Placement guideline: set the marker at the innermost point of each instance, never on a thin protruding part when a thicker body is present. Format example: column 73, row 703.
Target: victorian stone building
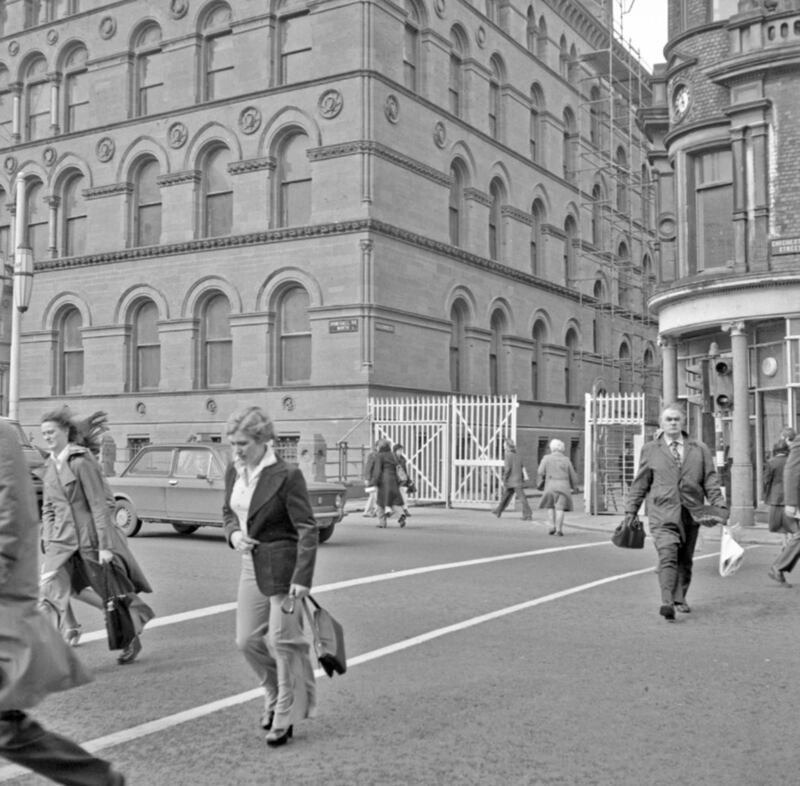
column 728, row 303
column 304, row 205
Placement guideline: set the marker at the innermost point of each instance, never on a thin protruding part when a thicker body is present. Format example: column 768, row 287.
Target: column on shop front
column 741, row 503
column 669, row 369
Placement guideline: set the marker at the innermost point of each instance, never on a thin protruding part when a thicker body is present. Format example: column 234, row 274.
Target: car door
column 145, row 482
column 195, row 491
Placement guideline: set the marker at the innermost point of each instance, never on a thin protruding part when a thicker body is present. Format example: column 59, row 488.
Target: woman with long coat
column 34, row 660
column 559, row 479
column 773, row 487
column 384, row 477
column 268, row 518
column 79, row 534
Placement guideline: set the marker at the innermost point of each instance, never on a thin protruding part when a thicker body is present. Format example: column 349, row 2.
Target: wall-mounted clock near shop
column 681, row 98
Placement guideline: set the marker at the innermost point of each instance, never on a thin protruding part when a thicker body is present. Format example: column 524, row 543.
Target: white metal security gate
column 615, row 429
column 453, row 444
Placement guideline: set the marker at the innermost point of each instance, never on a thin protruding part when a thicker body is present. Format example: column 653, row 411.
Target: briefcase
column 328, row 638
column 629, row 534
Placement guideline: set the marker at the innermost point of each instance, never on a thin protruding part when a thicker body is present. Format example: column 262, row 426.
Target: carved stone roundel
column 330, row 103
column 105, row 149
column 392, row 108
column 177, row 135
column 250, row 120
column 52, row 37
column 10, row 164
column 439, row 134
column 108, row 26
column 439, row 6
column 178, row 8
column 49, row 155
column 13, row 48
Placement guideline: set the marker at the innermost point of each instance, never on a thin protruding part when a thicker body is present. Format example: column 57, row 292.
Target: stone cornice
column 114, row 189
column 177, row 178
column 252, row 165
column 359, row 146
column 476, row 195
column 508, row 211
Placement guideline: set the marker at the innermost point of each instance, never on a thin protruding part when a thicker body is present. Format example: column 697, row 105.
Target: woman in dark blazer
column 267, row 517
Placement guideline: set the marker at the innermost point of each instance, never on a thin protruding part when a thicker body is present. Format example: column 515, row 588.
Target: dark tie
column 676, row 454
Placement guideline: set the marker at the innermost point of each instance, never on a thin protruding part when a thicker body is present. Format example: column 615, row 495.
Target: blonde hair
column 252, row 421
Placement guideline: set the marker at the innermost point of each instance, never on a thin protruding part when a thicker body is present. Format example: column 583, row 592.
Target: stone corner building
column 303, row 205
column 726, row 118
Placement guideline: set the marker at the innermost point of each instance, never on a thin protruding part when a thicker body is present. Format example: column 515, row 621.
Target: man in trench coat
column 34, row 659
column 676, row 475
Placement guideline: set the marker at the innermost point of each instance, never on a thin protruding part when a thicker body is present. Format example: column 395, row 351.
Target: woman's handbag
column 629, row 534
column 730, row 553
column 328, row 638
column 120, row 628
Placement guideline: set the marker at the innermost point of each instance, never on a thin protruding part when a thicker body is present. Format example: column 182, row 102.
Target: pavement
column 607, row 522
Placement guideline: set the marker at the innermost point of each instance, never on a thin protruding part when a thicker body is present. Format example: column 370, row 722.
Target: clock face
column 680, row 101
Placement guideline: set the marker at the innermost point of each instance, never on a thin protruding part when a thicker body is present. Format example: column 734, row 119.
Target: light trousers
column 274, row 645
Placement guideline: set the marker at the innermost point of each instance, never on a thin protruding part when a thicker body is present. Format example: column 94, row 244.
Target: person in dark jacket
column 79, row 534
column 772, row 486
column 513, row 482
column 384, row 478
column 267, row 517
column 790, row 553
column 403, row 478
column 34, row 659
column 676, row 475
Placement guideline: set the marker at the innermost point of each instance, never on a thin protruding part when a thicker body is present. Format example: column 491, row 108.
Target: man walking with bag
column 34, row 659
column 676, row 474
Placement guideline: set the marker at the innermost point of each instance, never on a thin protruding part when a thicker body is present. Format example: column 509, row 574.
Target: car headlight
column 338, row 501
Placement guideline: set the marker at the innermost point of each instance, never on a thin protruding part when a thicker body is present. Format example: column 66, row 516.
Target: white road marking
column 168, row 721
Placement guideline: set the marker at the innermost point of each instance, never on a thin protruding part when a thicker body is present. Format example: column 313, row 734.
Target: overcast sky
column 645, row 26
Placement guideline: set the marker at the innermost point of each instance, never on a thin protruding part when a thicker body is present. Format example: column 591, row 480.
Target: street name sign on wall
column 343, row 326
column 784, row 245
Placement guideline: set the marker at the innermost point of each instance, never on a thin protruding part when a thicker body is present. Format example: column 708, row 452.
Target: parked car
column 33, row 457
column 183, row 484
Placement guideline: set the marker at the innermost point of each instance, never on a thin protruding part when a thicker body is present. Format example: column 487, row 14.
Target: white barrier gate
column 453, row 444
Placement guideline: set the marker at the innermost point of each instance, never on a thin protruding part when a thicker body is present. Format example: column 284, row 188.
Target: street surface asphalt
column 481, row 651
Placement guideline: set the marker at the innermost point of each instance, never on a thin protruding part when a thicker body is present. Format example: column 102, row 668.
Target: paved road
column 481, row 652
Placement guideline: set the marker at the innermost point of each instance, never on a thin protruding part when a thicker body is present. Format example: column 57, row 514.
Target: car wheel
column 325, row 534
column 185, row 529
column 125, row 518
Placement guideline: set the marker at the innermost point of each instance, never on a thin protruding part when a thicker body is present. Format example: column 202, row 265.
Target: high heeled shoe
column 266, row 720
column 278, row 737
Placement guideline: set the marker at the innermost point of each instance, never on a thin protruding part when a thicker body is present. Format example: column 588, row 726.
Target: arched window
column 216, row 193
column 37, row 100
column 497, row 327
column 411, row 46
column 294, row 177
column 537, row 219
column 74, row 217
column 495, row 219
column 595, row 114
column 6, row 109
column 294, row 331
column 624, row 268
column 572, row 63
column 599, row 290
column 148, row 71
column 541, row 39
column 530, row 30
column 625, row 368
column 76, row 91
column 569, row 144
column 563, row 57
column 146, row 203
column 458, row 324
column 570, row 234
column 570, row 367
column 216, row 362
column 217, row 54
column 597, row 214
column 146, row 348
column 456, row 202
column 295, row 47
column 58, row 9
column 38, row 220
column 495, row 105
column 535, row 131
column 621, row 160
column 5, row 229
column 457, row 52
column 648, row 279
column 537, row 360
column 69, row 360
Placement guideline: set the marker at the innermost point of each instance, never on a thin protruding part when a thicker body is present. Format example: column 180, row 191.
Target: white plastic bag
column 730, row 553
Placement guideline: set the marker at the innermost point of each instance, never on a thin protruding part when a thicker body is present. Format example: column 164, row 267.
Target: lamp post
column 23, row 286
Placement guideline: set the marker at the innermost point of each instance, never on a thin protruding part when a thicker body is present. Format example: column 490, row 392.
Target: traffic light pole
column 742, row 502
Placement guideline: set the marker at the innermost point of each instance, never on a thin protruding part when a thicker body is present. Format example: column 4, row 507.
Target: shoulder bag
column 328, row 638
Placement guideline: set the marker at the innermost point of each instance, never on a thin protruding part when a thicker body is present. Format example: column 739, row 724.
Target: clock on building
column 680, row 101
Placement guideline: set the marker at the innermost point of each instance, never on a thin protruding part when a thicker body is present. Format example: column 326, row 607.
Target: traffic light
column 722, row 383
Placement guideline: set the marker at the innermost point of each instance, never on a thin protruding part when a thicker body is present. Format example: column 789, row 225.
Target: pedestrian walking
column 513, row 481
column 384, row 478
column 790, row 553
column 403, row 478
column 772, row 486
column 557, row 478
column 371, row 508
column 267, row 517
column 79, row 535
column 34, row 659
column 676, row 475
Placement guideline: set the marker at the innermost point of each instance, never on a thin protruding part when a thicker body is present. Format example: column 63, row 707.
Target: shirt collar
column 267, row 460
column 678, row 439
